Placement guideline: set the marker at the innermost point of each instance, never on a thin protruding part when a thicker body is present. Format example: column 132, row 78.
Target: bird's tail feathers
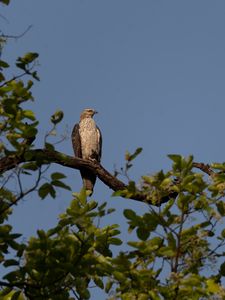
column 88, row 185
column 88, row 181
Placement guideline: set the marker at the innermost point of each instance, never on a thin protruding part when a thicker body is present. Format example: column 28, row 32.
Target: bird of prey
column 87, row 144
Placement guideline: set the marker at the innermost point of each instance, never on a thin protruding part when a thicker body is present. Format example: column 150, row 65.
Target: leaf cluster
column 18, row 126
column 176, row 243
column 67, row 257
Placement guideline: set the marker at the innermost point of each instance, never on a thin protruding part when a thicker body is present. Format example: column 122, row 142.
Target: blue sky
column 154, row 70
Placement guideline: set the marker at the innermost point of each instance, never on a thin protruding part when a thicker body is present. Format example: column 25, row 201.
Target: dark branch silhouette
column 45, row 156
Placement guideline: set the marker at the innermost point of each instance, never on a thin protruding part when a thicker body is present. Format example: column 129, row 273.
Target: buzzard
column 87, row 144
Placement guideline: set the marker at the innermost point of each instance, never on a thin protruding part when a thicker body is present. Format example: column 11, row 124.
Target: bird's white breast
column 89, row 137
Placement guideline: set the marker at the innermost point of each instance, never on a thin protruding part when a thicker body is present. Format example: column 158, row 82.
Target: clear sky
column 154, row 70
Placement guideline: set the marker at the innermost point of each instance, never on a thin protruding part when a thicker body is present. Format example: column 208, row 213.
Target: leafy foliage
column 72, row 254
column 176, row 243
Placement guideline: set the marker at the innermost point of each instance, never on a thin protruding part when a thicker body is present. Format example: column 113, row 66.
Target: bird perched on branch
column 87, row 144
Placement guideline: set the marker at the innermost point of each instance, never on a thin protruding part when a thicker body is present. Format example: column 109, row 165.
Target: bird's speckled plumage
column 87, row 144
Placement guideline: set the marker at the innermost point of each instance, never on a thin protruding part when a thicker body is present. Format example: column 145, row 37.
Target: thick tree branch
column 45, row 156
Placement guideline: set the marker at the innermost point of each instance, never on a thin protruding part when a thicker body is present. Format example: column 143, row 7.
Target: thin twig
column 22, row 193
column 16, row 37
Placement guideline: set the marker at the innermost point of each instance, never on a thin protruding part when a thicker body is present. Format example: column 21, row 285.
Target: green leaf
column 156, row 241
column 52, row 192
column 11, row 295
column 131, row 187
column 108, row 286
column 99, row 282
column 222, row 269
column 143, row 233
column 29, row 57
column 12, row 276
column 35, row 76
column 223, row 233
column 151, row 221
column 171, row 240
column 3, row 64
column 119, row 276
column 213, row 287
column 29, row 132
column 61, row 185
column 2, row 77
column 28, row 155
column 221, row 208
column 57, row 175
column 21, row 65
column 129, row 157
column 46, row 189
column 110, row 210
column 30, row 166
column 57, row 117
column 6, row 2
column 115, row 241
column 175, row 158
column 10, row 262
column 144, row 297
column 21, row 250
column 41, row 234
column 10, row 106
column 130, row 214
column 154, row 296
column 29, row 114
column 119, row 193
column 17, row 296
column 49, row 147
column 166, row 252
column 29, row 84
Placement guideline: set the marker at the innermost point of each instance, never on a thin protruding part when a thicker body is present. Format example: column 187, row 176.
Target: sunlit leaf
column 213, row 287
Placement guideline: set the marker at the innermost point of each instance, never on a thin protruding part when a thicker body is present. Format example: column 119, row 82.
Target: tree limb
column 46, row 156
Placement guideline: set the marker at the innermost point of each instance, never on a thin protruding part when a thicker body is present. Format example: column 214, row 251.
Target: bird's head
column 88, row 113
